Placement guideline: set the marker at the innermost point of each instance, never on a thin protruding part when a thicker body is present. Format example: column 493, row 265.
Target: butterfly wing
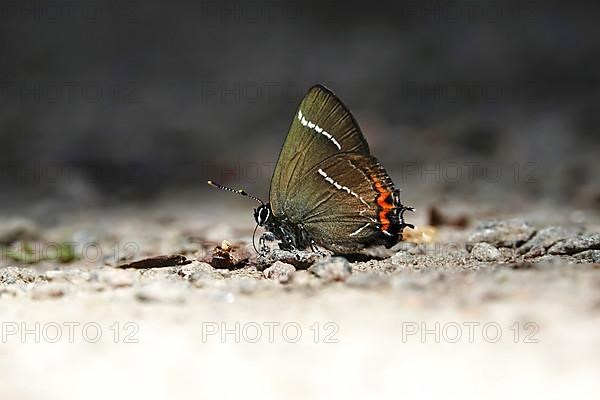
column 348, row 201
column 322, row 127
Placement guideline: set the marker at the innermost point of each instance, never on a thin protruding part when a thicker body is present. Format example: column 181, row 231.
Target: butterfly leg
column 284, row 236
column 315, row 248
column 402, row 211
column 309, row 241
column 262, row 242
column 287, row 241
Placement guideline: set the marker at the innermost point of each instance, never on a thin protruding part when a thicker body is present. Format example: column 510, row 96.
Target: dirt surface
column 502, row 304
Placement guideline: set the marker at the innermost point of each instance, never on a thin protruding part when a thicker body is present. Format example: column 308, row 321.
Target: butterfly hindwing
column 322, row 127
column 350, row 204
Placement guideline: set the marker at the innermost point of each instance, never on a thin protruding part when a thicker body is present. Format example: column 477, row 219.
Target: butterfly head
column 262, row 214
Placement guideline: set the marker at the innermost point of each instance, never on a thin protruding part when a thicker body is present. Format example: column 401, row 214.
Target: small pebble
column 56, row 275
column 537, row 251
column 299, row 259
column 15, row 275
column 186, row 271
column 227, row 256
column 199, row 273
column 280, row 271
column 485, row 252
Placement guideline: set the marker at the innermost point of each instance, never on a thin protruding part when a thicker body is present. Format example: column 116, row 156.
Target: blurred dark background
column 131, row 100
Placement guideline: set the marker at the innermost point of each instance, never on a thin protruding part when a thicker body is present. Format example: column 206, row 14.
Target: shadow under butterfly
column 327, row 190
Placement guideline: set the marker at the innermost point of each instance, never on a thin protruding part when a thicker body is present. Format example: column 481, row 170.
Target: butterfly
column 327, row 189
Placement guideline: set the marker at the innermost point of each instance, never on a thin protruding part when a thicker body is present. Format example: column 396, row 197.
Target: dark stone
column 511, row 233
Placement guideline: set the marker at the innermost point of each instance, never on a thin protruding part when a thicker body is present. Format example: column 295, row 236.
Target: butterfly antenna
column 239, row 191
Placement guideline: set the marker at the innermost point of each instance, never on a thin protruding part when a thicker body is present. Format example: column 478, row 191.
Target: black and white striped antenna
column 239, row 191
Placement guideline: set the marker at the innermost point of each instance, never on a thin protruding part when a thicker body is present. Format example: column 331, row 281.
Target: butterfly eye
column 262, row 214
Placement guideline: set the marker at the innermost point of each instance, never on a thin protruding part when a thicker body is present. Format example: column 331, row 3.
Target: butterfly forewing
column 321, row 128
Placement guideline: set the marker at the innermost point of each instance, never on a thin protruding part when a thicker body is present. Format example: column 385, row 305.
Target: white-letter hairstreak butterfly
column 327, row 189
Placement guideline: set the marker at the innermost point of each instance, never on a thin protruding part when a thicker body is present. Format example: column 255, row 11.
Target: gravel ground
column 508, row 305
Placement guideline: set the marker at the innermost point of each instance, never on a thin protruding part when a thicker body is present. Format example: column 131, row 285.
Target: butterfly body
column 291, row 235
column 327, row 189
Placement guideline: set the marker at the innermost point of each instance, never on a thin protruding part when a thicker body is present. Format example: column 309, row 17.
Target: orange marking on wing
column 381, row 202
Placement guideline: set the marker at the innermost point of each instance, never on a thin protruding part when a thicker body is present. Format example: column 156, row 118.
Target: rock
column 547, row 237
column 115, row 278
column 537, row 251
column 280, row 271
column 485, row 252
column 159, row 291
column 14, row 229
column 366, row 280
column 511, row 233
column 576, row 244
column 200, row 274
column 299, row 259
column 189, row 270
column 332, row 269
column 56, row 275
column 15, row 275
column 48, row 291
column 589, row 256
column 227, row 256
